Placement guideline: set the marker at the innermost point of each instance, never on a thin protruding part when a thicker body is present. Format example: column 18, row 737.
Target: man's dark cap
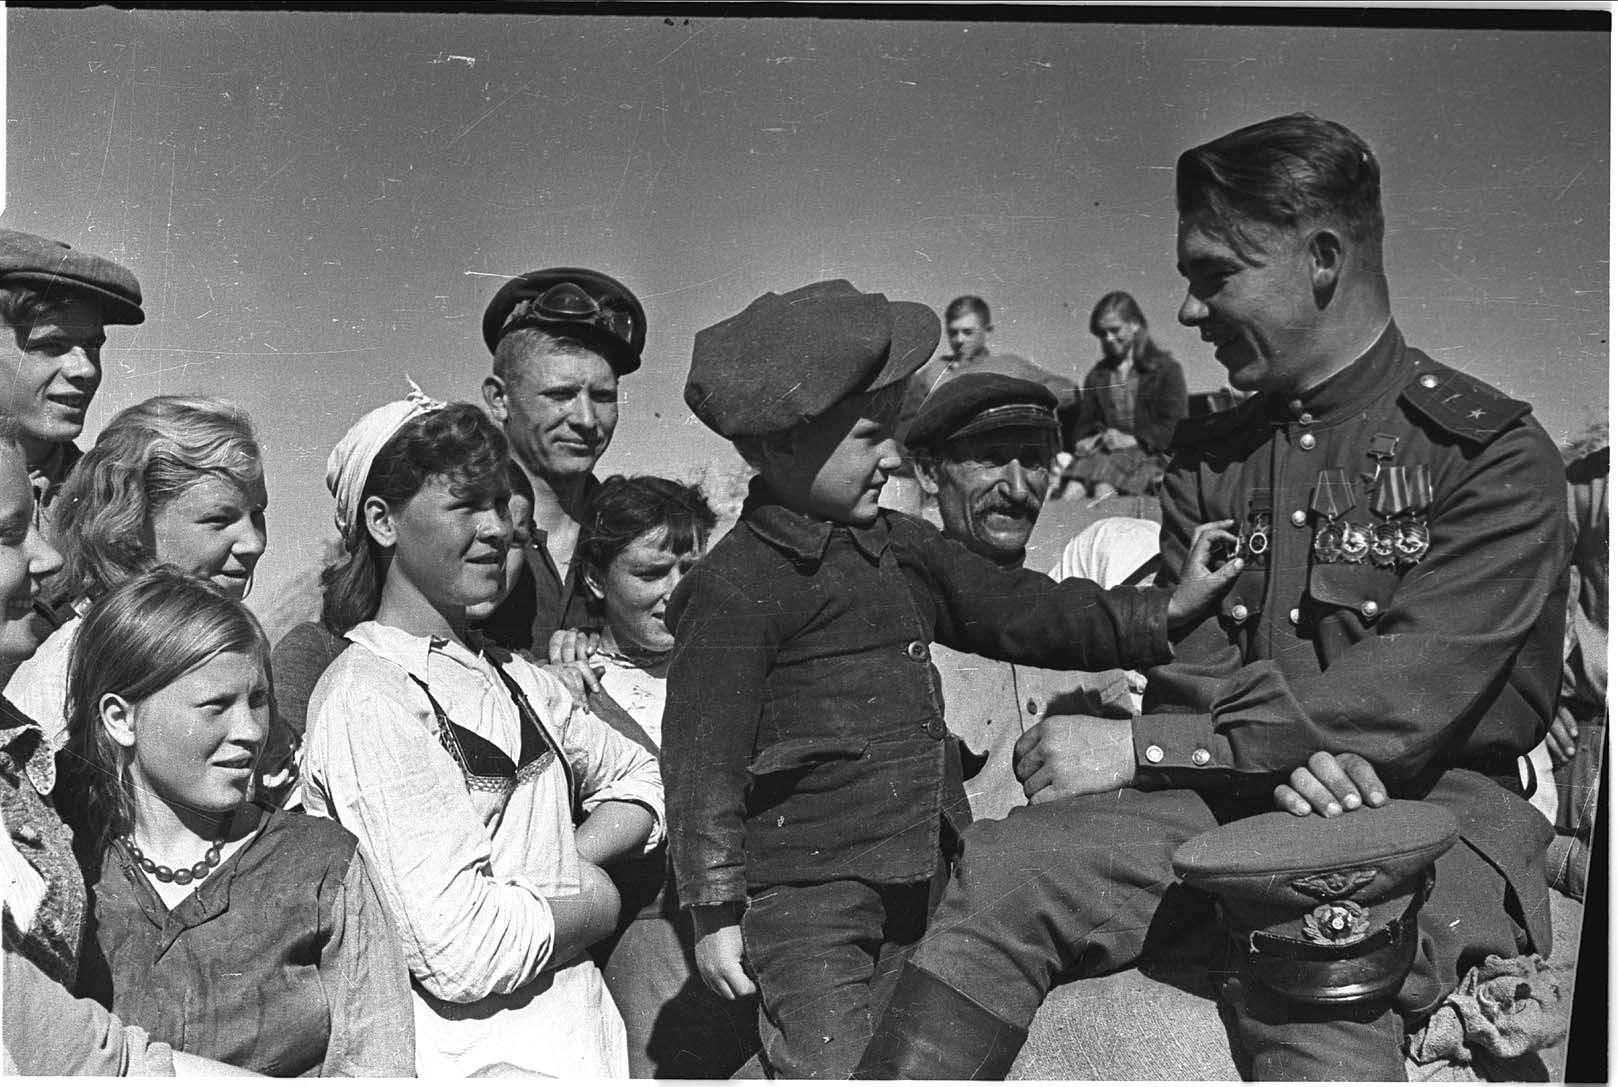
column 977, row 401
column 1325, row 907
column 787, row 358
column 59, row 271
column 585, row 305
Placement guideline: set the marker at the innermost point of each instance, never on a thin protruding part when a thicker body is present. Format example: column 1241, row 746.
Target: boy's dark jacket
column 804, row 734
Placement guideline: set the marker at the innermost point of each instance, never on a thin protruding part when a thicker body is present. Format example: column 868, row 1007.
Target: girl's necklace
column 182, row 876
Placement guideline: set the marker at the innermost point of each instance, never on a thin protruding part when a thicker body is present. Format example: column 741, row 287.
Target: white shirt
column 39, row 685
column 466, row 870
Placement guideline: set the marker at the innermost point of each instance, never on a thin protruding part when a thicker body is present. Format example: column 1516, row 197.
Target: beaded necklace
column 181, row 876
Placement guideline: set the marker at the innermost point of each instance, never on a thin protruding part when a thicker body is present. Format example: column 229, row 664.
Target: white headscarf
column 349, row 465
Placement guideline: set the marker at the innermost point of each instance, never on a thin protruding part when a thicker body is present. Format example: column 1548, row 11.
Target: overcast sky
column 318, row 204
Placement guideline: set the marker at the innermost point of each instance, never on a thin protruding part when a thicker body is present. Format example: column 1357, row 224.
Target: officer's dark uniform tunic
column 1437, row 662
column 809, row 769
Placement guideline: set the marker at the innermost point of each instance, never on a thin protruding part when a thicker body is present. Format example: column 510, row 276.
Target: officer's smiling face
column 1256, row 304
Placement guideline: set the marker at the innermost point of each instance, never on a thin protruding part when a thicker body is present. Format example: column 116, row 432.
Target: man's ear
column 1326, row 255
column 926, row 474
column 494, row 395
column 117, row 718
column 379, row 521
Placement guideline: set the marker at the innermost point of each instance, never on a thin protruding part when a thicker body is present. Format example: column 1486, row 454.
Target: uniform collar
column 1350, row 389
column 801, row 537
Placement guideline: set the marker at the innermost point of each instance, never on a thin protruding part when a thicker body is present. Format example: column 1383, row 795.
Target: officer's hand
column 719, row 951
column 1330, row 785
column 1562, row 740
column 1074, row 755
column 1201, row 585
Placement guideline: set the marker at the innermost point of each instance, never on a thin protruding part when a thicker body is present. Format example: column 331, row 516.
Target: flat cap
column 57, row 268
column 586, row 305
column 977, row 401
column 789, row 357
column 1326, row 906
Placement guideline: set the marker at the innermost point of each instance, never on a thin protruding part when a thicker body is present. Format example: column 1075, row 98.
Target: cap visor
column 1023, row 415
column 914, row 340
column 115, row 308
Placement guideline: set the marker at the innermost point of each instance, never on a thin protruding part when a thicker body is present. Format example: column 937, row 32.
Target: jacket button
column 935, row 729
column 1429, row 381
column 1295, row 406
column 1033, row 706
column 1300, row 518
column 1369, row 609
column 1202, row 756
column 1239, row 613
column 1306, row 442
column 1296, row 616
column 1306, row 418
column 916, row 651
column 1154, row 754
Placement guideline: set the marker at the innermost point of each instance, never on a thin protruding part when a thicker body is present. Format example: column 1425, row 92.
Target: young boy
column 814, row 791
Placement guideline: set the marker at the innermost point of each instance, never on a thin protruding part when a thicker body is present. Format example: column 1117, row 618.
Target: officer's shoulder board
column 1198, row 430
column 1460, row 404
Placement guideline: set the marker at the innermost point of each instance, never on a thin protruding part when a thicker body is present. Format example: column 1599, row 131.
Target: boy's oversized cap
column 59, row 270
column 976, row 401
column 787, row 358
column 1326, row 907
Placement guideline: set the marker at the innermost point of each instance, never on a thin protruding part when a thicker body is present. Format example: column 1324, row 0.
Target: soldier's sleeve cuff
column 1154, row 647
column 1172, row 746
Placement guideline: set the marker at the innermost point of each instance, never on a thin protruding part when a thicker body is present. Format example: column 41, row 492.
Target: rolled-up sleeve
column 609, row 766
column 374, row 764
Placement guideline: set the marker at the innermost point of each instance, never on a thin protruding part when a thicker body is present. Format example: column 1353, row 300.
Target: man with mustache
column 983, row 441
column 561, row 339
column 56, row 301
column 1435, row 668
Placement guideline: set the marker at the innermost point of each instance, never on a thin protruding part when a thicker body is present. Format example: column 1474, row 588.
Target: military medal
column 1356, row 544
column 1402, row 494
column 1333, row 499
column 1253, row 540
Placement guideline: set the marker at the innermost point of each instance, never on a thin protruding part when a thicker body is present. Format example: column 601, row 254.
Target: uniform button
column 1201, row 756
column 1306, row 442
column 1295, row 615
column 1369, row 609
column 1429, row 381
column 1306, row 418
column 1033, row 706
column 1300, row 518
column 916, row 651
column 1295, row 407
column 1239, row 613
column 935, row 729
column 1154, row 754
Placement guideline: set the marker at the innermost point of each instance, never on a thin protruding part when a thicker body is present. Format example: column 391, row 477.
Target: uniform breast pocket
column 1363, row 588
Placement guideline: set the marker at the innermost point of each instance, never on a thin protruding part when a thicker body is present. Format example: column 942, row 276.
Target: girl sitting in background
column 173, row 480
column 460, row 767
column 251, row 936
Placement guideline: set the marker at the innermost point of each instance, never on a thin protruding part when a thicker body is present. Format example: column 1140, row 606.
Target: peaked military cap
column 586, row 305
column 977, row 401
column 789, row 357
column 59, row 270
column 1325, row 909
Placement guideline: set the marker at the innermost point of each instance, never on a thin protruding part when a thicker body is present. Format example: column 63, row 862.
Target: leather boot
column 931, row 1030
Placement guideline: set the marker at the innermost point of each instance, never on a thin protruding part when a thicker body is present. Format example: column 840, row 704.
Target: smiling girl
column 173, row 480
column 249, row 936
column 462, row 769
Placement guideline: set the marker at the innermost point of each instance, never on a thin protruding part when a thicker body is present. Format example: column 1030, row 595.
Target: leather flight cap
column 1323, row 911
column 789, row 357
column 585, row 305
column 980, row 401
column 60, row 271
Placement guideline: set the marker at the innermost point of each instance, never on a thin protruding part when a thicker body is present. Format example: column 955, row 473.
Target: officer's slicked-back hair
column 1285, row 172
column 967, row 303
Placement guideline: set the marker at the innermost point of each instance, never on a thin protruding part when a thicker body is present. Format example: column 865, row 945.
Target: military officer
column 1402, row 602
